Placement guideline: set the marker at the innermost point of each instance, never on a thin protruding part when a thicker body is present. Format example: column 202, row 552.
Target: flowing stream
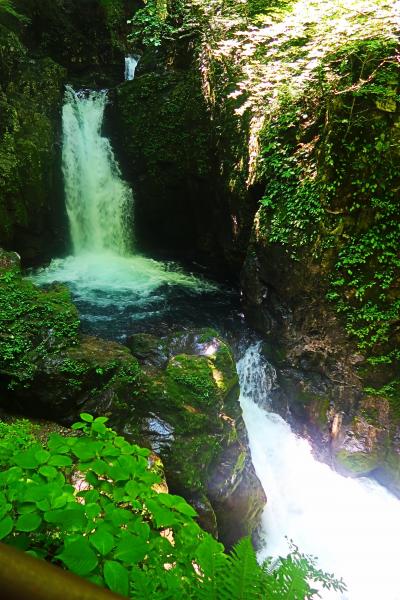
column 351, row 525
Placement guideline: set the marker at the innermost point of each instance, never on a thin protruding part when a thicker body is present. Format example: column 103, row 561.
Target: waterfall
column 104, row 274
column 351, row 525
column 131, row 62
column 99, row 202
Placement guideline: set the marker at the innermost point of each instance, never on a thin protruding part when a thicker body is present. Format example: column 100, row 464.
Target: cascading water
column 131, row 62
column 99, row 202
column 351, row 525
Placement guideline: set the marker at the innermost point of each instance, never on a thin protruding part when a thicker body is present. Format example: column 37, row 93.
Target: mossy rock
column 190, row 415
column 33, row 323
column 356, row 463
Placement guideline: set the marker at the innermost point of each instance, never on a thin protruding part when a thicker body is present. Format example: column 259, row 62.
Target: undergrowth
column 94, row 504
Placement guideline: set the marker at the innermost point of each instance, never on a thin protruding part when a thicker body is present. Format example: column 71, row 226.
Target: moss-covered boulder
column 195, row 424
column 46, row 367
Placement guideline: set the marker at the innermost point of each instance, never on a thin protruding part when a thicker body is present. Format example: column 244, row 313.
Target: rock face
column 31, row 200
column 172, row 152
column 196, row 426
column 305, row 144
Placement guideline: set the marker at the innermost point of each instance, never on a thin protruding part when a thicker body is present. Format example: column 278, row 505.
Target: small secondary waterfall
column 351, row 525
column 99, row 202
column 131, row 62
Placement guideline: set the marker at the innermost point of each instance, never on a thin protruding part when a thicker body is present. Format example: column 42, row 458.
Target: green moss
column 357, row 463
column 191, row 459
column 29, row 110
column 32, row 322
column 195, row 373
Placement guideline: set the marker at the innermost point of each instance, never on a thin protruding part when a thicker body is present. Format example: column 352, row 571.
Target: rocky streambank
column 177, row 395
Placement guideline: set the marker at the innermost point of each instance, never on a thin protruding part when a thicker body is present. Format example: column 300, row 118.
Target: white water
column 103, row 271
column 99, row 202
column 351, row 525
column 131, row 62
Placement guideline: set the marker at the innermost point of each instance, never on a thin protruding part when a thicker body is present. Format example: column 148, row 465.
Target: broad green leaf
column 99, row 427
column 42, row 456
column 28, row 522
column 25, row 508
column 89, row 496
column 92, row 510
column 79, row 557
column 102, row 541
column 132, row 488
column 140, row 528
column 71, row 519
column 86, row 449
column 11, row 475
column 4, row 509
column 48, row 472
column 59, row 460
column 77, row 426
column 86, row 417
column 119, row 516
column 98, row 466
column 27, row 459
column 163, row 517
column 185, row 509
column 116, row 577
column 131, row 549
column 6, row 526
column 57, row 444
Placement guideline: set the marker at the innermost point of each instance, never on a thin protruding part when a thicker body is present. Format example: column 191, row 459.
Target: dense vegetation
column 97, row 505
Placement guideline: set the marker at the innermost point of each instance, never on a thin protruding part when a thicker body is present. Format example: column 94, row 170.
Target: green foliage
column 149, row 24
column 292, row 200
column 331, row 162
column 163, row 21
column 89, row 502
column 15, row 436
column 31, row 321
column 7, row 6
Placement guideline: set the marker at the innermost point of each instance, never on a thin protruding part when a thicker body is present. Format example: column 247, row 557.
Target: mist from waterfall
column 351, row 525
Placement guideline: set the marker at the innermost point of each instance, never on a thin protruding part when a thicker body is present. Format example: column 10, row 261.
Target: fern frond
column 214, row 567
column 242, row 578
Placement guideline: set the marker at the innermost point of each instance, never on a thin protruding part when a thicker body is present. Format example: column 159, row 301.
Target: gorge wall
column 280, row 163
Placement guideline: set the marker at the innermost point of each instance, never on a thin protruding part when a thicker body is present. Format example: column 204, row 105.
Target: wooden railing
column 23, row 577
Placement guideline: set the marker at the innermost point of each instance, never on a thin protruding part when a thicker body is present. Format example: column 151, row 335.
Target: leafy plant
column 7, row 6
column 92, row 502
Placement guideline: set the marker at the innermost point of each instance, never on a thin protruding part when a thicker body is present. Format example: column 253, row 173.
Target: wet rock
column 196, row 426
